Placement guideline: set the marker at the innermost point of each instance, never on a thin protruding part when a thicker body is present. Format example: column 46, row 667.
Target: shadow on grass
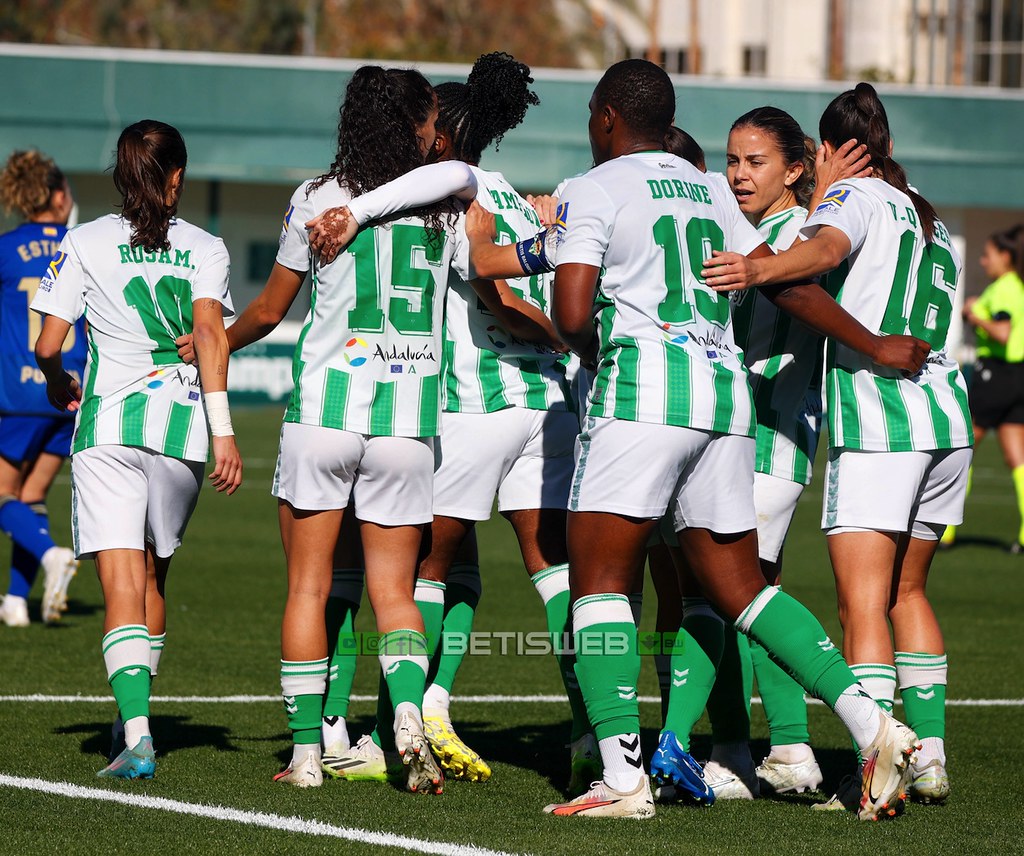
column 170, row 734
column 977, row 541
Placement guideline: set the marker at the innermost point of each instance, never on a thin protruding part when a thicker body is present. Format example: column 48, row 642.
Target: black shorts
column 997, row 393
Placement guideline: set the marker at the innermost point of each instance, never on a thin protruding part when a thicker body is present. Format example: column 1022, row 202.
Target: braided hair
column 492, row 101
column 858, row 114
column 377, row 141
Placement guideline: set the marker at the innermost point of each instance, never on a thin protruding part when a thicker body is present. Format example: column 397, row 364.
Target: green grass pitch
column 225, row 597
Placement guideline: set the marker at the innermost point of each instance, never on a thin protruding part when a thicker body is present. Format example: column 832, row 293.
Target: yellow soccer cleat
column 457, row 759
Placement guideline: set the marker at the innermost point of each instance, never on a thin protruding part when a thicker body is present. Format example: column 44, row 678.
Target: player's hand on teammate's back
column 729, row 271
column 905, row 353
column 65, row 394
column 330, row 232
column 480, row 223
column 186, row 351
column 227, row 460
column 546, row 208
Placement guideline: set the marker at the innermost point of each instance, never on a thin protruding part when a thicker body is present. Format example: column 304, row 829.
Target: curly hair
column 148, row 152
column 793, row 144
column 493, row 100
column 28, row 181
column 377, row 142
column 641, row 92
column 858, row 114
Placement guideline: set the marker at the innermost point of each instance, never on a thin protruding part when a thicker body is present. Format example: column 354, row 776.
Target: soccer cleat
column 137, row 763
column 423, row 775
column 457, row 759
column 671, row 765
column 886, row 772
column 334, row 736
column 729, row 784
column 846, row 797
column 14, row 611
column 604, row 801
column 364, row 762
column 929, row 782
column 305, row 774
column 585, row 764
column 59, row 566
column 782, row 778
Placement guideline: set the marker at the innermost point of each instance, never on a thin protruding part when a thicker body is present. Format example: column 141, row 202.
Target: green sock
column 782, row 697
column 403, row 660
column 922, row 679
column 342, row 606
column 552, row 585
column 303, row 684
column 607, row 663
column 695, row 657
column 429, row 597
column 460, row 601
column 1018, row 484
column 729, row 700
column 126, row 654
column 794, row 638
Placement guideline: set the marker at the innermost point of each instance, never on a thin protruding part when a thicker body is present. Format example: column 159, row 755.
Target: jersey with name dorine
column 485, row 367
column 137, row 390
column 666, row 348
column 368, row 358
column 26, row 254
column 894, row 283
column 783, row 358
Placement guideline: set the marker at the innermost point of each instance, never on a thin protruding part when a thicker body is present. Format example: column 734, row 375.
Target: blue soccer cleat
column 137, row 763
column 675, row 768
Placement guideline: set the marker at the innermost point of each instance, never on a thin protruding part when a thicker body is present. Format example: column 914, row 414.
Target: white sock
column 300, row 751
column 436, row 698
column 334, row 732
column 932, row 748
column 623, row 763
column 135, row 729
column 792, row 753
column 860, row 714
column 879, row 682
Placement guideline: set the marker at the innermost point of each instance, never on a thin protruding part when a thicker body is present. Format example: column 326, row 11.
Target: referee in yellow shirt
column 997, row 388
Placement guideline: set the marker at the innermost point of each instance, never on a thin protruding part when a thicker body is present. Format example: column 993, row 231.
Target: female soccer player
column 33, row 442
column 997, row 386
column 890, row 263
column 144, row 277
column 670, row 426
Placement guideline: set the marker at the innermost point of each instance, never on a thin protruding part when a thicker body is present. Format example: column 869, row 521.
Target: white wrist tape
column 218, row 414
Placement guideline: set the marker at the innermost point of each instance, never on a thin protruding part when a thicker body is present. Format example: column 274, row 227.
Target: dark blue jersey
column 25, row 255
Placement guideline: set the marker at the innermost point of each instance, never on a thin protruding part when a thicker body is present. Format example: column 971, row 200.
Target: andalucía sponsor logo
column 153, row 379
column 671, row 336
column 394, row 354
column 355, row 352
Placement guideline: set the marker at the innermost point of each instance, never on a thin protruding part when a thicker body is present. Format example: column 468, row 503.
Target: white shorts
column 890, row 491
column 640, row 469
column 390, row 479
column 775, row 502
column 124, row 497
column 525, row 456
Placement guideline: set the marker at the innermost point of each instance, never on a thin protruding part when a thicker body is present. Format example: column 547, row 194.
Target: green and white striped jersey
column 369, row 354
column 893, row 282
column 783, row 358
column 137, row 390
column 485, row 367
column 667, row 353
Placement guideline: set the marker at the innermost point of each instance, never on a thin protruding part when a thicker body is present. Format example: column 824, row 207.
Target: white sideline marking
column 469, row 699
column 250, row 818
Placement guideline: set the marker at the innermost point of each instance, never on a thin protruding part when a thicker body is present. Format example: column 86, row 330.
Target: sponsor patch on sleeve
column 52, row 271
column 284, row 225
column 833, row 201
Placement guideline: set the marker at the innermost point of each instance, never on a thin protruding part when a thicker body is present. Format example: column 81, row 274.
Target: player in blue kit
column 33, row 441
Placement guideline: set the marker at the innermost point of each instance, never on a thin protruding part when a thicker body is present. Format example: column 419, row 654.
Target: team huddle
column 638, row 368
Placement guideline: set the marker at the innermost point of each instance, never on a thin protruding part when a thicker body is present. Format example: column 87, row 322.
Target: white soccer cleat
column 423, row 774
column 846, row 797
column 305, row 773
column 364, row 762
column 14, row 611
column 59, row 566
column 782, row 778
column 729, row 784
column 585, row 764
column 604, row 801
column 929, row 783
column 886, row 772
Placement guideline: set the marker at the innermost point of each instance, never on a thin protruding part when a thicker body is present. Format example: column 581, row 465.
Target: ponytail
column 858, row 114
